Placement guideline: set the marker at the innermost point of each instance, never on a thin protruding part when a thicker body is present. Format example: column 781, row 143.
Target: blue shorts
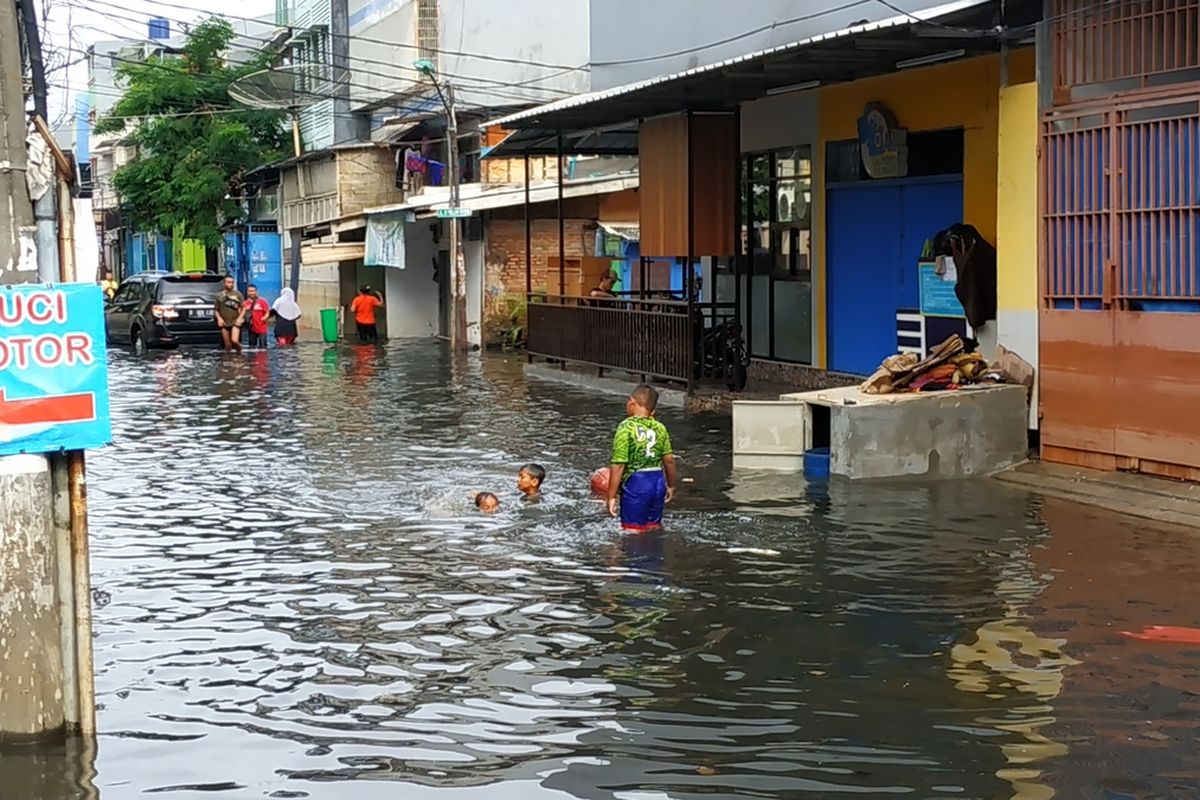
column 642, row 497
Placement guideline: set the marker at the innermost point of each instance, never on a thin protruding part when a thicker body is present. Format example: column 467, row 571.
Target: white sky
column 75, row 24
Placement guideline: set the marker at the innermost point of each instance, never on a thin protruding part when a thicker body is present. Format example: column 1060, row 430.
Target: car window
column 128, row 291
column 193, row 289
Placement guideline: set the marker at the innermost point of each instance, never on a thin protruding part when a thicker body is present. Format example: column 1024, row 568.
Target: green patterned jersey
column 640, row 443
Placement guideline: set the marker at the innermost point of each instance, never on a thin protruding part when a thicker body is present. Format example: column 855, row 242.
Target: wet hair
column 535, row 471
column 646, row 396
column 482, row 497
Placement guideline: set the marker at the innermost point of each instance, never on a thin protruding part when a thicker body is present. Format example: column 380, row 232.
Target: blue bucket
column 816, row 463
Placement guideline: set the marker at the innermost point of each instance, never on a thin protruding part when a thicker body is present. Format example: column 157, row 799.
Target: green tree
column 193, row 143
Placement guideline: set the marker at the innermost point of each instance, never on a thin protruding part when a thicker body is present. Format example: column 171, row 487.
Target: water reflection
column 304, row 597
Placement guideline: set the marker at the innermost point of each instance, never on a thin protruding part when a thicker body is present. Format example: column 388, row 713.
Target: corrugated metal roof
column 533, row 115
column 481, row 197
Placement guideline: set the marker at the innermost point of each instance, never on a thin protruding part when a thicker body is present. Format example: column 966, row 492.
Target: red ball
column 599, row 481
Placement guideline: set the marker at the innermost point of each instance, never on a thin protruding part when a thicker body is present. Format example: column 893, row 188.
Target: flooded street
column 297, row 599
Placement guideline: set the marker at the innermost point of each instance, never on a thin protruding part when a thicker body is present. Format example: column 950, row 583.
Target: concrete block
column 769, row 434
column 936, row 435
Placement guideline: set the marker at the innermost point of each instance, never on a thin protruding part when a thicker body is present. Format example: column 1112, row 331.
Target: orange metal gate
column 1120, row 315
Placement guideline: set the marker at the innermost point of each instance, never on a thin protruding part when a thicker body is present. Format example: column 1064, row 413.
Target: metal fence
column 649, row 337
column 1135, row 44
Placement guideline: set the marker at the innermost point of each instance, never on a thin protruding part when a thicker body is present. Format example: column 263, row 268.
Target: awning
column 318, row 254
column 481, row 197
column 599, row 120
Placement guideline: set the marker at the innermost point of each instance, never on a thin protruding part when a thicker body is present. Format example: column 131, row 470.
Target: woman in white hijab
column 286, row 312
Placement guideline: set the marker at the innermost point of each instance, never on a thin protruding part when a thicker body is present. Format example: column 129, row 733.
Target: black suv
column 164, row 309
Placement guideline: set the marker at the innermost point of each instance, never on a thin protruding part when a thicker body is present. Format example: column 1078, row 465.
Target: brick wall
column 505, row 261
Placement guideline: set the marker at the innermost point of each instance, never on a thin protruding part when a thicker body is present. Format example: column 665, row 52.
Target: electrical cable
column 362, row 59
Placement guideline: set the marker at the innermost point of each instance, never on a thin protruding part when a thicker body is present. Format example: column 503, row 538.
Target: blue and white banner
column 53, row 369
column 385, row 240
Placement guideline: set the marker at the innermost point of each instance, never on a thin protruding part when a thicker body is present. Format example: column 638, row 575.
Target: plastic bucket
column 329, row 325
column 816, row 463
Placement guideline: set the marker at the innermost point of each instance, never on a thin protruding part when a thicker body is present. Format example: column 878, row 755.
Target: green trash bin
column 329, row 325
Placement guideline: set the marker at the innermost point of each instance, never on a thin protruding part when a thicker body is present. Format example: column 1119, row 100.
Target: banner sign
column 937, row 293
column 53, row 368
column 385, row 240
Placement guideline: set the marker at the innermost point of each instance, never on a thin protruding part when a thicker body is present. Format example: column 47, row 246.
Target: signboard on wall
column 53, row 369
column 937, row 292
column 884, row 144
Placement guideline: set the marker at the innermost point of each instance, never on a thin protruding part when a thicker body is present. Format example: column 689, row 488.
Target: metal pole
column 77, row 496
column 687, row 266
column 528, row 259
column 562, row 242
column 528, row 237
column 458, row 278
column 33, row 45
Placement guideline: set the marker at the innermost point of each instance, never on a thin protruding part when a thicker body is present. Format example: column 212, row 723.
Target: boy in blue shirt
column 642, row 476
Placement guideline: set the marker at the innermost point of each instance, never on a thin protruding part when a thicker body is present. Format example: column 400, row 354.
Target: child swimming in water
column 487, row 502
column 529, row 481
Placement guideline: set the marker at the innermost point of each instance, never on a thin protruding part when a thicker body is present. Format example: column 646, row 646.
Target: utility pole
column 18, row 252
column 458, row 279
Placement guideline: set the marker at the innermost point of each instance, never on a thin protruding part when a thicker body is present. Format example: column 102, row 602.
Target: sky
column 71, row 25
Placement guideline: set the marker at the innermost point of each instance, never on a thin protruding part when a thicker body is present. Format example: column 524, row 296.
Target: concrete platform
column 608, row 384
column 955, row 434
column 1143, row 496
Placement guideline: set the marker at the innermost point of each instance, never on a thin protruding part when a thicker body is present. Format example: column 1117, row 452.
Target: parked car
column 164, row 309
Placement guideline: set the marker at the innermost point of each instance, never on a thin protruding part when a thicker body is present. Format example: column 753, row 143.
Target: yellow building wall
column 1017, row 227
column 961, row 94
column 1017, row 200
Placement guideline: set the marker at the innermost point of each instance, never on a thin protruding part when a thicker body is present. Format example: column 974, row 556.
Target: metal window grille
column 1122, row 45
column 427, row 29
column 1121, row 204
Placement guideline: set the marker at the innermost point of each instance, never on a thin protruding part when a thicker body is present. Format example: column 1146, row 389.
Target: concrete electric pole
column 18, row 253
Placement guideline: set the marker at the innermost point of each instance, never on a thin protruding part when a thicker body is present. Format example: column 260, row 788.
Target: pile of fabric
column 948, row 366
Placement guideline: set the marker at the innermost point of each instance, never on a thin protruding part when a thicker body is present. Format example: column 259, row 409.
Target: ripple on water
column 302, row 595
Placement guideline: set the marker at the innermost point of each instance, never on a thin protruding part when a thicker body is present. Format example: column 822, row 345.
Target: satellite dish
column 288, row 87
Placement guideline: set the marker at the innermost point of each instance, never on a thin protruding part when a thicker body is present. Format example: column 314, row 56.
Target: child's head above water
column 487, row 502
column 642, row 401
column 529, row 479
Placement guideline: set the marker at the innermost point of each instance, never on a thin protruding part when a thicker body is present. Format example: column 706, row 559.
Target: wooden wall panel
column 713, row 152
column 1076, row 385
column 663, row 185
column 1158, row 386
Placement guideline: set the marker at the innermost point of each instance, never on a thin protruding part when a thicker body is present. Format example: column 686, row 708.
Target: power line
column 370, row 40
column 391, row 65
column 477, row 84
column 332, row 96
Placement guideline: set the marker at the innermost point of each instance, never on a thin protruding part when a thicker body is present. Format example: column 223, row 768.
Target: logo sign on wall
column 884, row 144
column 53, row 369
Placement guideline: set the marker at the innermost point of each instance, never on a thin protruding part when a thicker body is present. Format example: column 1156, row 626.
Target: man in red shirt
column 256, row 312
column 363, row 308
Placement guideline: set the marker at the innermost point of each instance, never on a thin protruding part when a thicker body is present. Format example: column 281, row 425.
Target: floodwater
column 297, row 599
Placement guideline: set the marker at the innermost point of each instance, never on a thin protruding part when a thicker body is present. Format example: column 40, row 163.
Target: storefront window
column 776, row 213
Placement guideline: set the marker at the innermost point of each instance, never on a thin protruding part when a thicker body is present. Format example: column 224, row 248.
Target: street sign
column 454, row 213
column 53, row 368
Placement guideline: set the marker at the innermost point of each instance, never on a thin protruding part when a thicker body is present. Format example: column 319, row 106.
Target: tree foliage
column 193, row 143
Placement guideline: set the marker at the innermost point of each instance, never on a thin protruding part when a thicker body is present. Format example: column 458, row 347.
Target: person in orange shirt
column 363, row 308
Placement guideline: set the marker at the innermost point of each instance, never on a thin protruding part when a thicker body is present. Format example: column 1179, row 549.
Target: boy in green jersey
column 642, row 474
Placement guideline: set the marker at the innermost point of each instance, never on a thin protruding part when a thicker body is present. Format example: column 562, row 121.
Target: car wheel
column 141, row 344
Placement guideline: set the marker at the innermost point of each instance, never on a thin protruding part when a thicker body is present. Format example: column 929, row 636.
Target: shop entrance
column 875, row 234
